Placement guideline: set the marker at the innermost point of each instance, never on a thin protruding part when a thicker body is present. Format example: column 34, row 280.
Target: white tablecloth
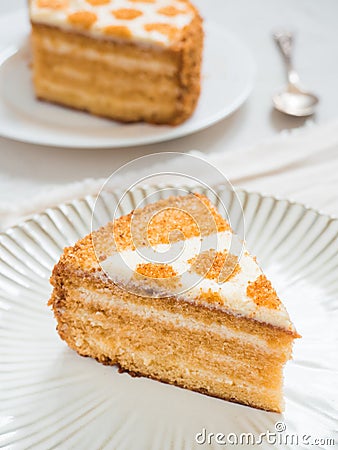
column 301, row 166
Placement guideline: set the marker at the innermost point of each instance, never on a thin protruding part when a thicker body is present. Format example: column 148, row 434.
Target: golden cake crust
column 190, row 49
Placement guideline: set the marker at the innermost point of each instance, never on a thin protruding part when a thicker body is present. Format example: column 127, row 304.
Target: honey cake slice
column 159, row 293
column 128, row 60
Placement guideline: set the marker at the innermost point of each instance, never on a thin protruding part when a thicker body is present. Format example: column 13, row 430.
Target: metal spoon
column 293, row 99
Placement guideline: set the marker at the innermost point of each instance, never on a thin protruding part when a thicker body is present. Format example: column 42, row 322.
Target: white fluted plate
column 50, row 397
column 227, row 81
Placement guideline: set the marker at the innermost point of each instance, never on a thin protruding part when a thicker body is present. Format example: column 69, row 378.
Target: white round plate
column 50, row 397
column 228, row 73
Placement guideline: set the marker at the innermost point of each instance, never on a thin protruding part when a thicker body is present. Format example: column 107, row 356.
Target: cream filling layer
column 176, row 320
column 115, row 61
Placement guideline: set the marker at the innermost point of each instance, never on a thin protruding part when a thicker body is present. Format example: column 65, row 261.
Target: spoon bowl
column 295, row 101
column 292, row 100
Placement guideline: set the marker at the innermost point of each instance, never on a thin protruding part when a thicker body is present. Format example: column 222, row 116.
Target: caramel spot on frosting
column 170, row 11
column 126, row 13
column 98, row 2
column 219, row 266
column 52, row 4
column 157, row 278
column 171, row 225
column 82, row 19
column 164, row 28
column 153, row 270
column 262, row 293
column 210, row 297
column 118, row 31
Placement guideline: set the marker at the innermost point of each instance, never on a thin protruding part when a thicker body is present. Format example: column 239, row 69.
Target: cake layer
column 267, row 376
column 220, row 335
column 119, row 80
column 97, row 326
column 221, row 341
column 62, row 71
column 110, row 54
column 270, row 339
column 101, row 105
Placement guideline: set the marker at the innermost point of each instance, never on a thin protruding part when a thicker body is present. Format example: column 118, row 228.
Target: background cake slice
column 129, row 60
column 159, row 293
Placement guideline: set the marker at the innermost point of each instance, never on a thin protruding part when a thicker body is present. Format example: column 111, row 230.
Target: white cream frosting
column 120, row 267
column 105, row 18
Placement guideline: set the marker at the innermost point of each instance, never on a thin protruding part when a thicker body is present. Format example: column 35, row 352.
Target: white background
column 316, row 58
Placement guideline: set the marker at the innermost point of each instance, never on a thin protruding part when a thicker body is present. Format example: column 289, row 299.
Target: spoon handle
column 284, row 41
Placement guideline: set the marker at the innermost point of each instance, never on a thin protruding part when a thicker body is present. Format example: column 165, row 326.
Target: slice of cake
column 128, row 60
column 160, row 293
